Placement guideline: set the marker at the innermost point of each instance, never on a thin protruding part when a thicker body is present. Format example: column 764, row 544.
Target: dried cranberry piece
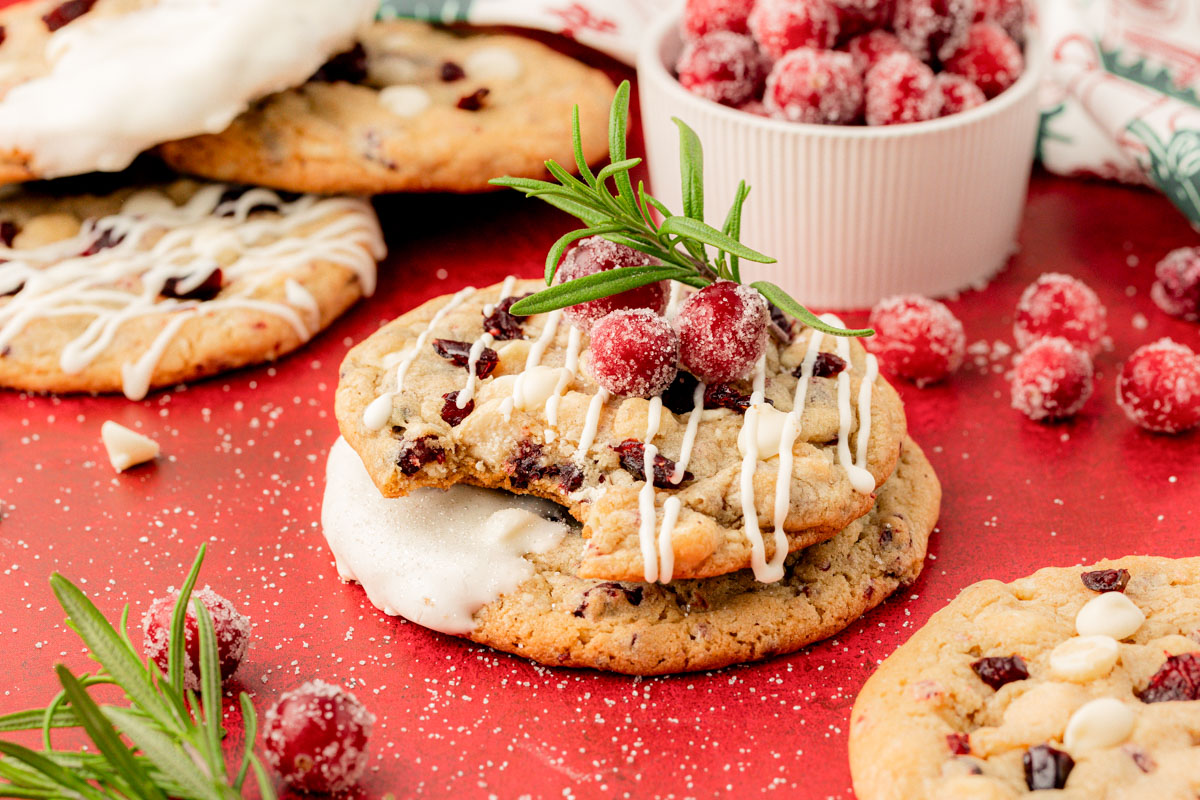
column 678, row 396
column 3, row 34
column 452, row 413
column 782, row 322
column 996, row 671
column 8, row 229
column 633, row 461
column 474, row 100
column 1177, row 679
column 452, row 72
column 350, row 66
column 207, row 290
column 224, row 207
column 1046, row 767
column 107, row 238
column 722, row 395
column 570, row 477
column 501, row 324
column 959, row 743
column 13, row 290
column 826, row 365
column 526, row 466
column 416, row 453
column 1106, row 580
column 66, row 12
column 1141, row 758
column 612, row 591
column 459, row 354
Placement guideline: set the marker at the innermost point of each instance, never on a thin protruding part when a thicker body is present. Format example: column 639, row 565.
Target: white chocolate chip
column 1111, row 614
column 46, row 229
column 770, row 426
column 537, row 384
column 1105, row 722
column 1084, row 658
column 392, row 70
column 405, row 101
column 126, row 448
column 493, row 64
column 147, row 201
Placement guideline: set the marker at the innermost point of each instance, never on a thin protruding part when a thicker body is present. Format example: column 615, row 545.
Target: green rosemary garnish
column 626, row 216
column 165, row 744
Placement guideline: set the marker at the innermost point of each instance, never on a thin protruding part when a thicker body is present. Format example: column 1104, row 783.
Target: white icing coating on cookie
column 646, row 513
column 119, row 84
column 1100, row 723
column 405, row 101
column 1084, row 658
column 1110, row 614
column 157, row 241
column 492, row 63
column 126, row 448
column 434, row 557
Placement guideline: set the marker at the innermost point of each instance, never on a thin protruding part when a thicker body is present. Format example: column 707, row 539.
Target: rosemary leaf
column 556, row 252
column 592, row 287
column 59, row 775
column 32, row 720
column 733, row 226
column 789, row 306
column 691, row 170
column 585, row 171
column 692, row 229
column 210, row 684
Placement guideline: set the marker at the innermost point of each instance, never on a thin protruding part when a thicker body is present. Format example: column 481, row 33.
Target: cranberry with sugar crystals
column 634, row 352
column 1051, row 379
column 1106, row 580
column 916, row 338
column 1176, row 288
column 1159, row 387
column 597, row 254
column 316, row 736
column 1177, row 679
column 1060, row 305
column 899, row 89
column 1046, row 767
column 958, row 93
column 722, row 331
column 702, row 17
column 862, row 16
column 723, row 67
column 820, row 87
column 1008, row 14
column 997, row 671
column 870, row 48
column 232, row 631
column 933, row 28
column 989, row 58
column 780, row 26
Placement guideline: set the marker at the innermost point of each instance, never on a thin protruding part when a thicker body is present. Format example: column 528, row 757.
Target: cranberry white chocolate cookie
column 86, row 85
column 461, row 391
column 147, row 287
column 411, row 108
column 1082, row 682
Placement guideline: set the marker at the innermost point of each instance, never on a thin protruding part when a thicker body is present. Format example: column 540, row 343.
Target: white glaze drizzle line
column 506, row 289
column 689, row 435
column 862, row 480
column 749, row 464
column 57, row 281
column 646, row 494
column 565, row 376
column 864, row 412
column 467, row 393
column 591, row 423
column 549, row 331
column 666, row 547
column 379, row 411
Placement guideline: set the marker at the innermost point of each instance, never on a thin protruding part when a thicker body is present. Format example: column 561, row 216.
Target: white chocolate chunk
column 1111, row 614
column 537, row 384
column 1084, row 658
column 770, row 426
column 405, row 101
column 1104, row 722
column 126, row 448
column 493, row 64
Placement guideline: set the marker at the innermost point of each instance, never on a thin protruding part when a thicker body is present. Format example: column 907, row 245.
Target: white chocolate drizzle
column 862, row 480
column 536, row 352
column 57, row 280
column 565, row 376
column 758, row 562
column 646, row 513
column 467, row 393
column 689, row 435
column 591, row 423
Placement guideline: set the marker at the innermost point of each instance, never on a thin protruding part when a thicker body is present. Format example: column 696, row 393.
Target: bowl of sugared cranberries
column 888, row 143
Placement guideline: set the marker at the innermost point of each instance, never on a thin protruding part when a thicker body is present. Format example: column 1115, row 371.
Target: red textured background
column 243, row 470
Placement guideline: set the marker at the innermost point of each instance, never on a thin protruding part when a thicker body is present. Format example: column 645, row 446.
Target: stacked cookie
column 141, row 279
column 727, row 543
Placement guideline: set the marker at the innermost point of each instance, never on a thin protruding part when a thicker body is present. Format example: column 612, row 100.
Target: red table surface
column 243, row 470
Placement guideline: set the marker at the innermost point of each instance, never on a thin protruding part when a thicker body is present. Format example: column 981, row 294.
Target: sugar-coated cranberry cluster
column 846, row 62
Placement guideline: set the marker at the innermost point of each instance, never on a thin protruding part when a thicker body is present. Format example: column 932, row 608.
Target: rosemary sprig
column 680, row 242
column 165, row 743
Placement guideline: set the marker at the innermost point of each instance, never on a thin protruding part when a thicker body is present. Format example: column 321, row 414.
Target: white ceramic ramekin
column 853, row 214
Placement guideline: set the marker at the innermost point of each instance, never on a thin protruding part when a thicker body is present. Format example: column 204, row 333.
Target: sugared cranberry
column 1051, row 380
column 450, row 72
column 1177, row 679
column 451, row 413
column 207, row 289
column 702, row 17
column 316, row 736
column 475, row 100
column 1159, row 387
column 755, row 107
column 723, row 67
column 1046, row 768
column 597, row 254
column 1106, row 580
column 780, row 26
column 66, row 12
column 958, row 93
column 632, row 453
column 722, row 331
column 501, row 324
column 997, row 671
column 1060, row 305
column 868, row 49
column 416, row 453
column 916, row 338
column 820, row 87
column 1176, row 288
column 990, row 59
column 862, row 16
column 634, row 352
column 348, row 67
column 232, row 631
column 959, row 743
column 826, row 365
column 901, row 89
column 1008, row 14
column 459, row 354
column 933, row 28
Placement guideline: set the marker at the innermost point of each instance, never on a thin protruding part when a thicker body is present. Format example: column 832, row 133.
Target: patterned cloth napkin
column 1121, row 98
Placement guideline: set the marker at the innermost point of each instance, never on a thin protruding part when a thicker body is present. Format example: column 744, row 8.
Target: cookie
column 537, row 424
column 86, row 85
column 556, row 618
column 147, row 287
column 1083, row 679
column 413, row 108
